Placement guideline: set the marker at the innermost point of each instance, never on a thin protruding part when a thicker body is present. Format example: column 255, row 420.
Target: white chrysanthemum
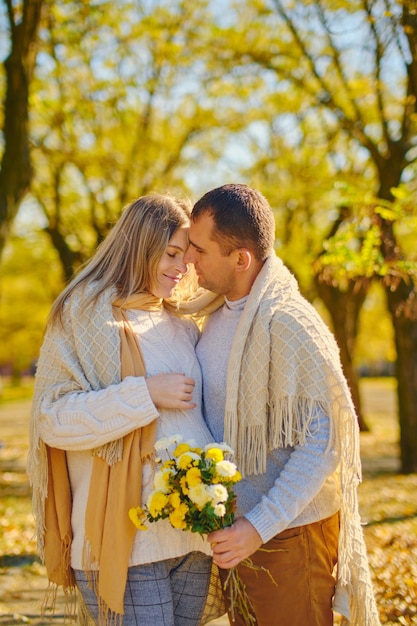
column 166, row 442
column 218, row 493
column 199, row 495
column 160, row 480
column 221, row 446
column 219, row 510
column 226, row 469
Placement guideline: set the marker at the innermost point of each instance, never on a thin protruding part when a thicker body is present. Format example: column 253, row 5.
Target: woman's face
column 171, row 267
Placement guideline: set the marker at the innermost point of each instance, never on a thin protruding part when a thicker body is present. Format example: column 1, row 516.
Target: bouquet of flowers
column 193, row 488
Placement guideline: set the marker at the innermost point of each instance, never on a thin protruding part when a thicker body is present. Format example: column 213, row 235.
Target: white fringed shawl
column 284, row 363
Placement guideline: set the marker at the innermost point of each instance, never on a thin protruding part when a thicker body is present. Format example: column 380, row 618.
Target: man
column 274, row 390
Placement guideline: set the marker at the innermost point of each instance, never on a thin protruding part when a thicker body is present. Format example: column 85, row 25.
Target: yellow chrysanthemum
column 193, row 477
column 215, row 453
column 185, row 461
column 181, row 448
column 184, row 485
column 157, row 502
column 137, row 515
column 174, row 499
column 177, row 517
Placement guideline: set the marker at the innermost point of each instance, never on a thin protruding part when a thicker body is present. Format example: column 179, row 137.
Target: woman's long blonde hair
column 129, row 256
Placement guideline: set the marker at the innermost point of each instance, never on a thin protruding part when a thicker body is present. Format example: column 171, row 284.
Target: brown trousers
column 300, row 561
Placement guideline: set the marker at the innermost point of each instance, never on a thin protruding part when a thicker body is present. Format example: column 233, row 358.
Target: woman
column 117, row 370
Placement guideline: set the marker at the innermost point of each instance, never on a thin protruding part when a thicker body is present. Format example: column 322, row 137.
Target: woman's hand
column 171, row 391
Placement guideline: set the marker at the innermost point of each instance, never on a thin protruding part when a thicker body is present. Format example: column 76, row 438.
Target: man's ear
column 244, row 259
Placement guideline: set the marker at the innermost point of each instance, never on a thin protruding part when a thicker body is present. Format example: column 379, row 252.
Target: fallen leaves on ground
column 388, row 505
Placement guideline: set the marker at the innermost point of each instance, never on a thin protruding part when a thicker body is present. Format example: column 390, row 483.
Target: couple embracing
column 124, row 362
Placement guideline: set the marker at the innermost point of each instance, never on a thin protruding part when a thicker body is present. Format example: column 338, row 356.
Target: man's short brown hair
column 242, row 218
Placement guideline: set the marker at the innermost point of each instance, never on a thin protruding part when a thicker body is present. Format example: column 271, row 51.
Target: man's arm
column 299, row 482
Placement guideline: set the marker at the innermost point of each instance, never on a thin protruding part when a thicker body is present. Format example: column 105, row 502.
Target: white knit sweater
column 78, row 422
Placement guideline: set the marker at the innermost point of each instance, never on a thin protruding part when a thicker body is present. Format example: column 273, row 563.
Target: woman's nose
column 182, row 266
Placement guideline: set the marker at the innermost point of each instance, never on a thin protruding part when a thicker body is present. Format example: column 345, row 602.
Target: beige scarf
column 116, row 486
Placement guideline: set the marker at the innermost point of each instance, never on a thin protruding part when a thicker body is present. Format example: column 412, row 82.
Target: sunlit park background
column 314, row 103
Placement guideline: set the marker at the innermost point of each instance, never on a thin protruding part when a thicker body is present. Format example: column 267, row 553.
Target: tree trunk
column 401, row 299
column 69, row 259
column 15, row 173
column 344, row 308
column 400, row 303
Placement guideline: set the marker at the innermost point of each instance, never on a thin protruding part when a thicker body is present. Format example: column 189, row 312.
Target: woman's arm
column 87, row 419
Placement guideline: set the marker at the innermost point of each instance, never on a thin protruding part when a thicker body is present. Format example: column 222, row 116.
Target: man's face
column 215, row 271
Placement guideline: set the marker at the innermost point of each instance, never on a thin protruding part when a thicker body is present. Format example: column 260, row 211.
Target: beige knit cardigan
column 284, row 363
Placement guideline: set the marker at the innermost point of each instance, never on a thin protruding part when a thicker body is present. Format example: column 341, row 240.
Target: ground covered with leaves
column 388, row 504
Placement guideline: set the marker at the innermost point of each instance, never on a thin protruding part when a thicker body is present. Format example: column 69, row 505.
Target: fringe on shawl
column 84, row 617
column 38, row 472
column 111, row 452
column 353, row 569
column 288, row 424
column 37, row 469
column 290, row 420
column 70, row 602
column 106, row 616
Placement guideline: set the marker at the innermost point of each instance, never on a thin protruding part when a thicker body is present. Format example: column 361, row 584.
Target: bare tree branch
column 354, row 126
